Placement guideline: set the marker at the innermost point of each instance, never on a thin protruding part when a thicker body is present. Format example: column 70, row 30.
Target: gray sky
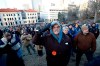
column 19, row 3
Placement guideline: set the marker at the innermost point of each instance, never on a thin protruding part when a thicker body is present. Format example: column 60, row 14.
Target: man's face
column 76, row 25
column 70, row 26
column 93, row 25
column 85, row 30
column 8, row 36
column 56, row 29
column 65, row 31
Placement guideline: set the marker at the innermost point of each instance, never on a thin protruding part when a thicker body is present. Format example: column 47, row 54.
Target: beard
column 85, row 33
column 56, row 32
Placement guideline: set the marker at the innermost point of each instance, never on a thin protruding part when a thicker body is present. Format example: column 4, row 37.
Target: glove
column 44, row 29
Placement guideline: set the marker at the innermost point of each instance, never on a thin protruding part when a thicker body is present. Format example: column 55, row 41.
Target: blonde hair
column 84, row 27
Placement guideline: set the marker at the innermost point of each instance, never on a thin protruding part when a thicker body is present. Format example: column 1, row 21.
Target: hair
column 54, row 25
column 6, row 34
column 84, row 26
column 65, row 27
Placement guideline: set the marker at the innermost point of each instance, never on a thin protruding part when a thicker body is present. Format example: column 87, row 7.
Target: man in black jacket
column 94, row 30
column 57, row 45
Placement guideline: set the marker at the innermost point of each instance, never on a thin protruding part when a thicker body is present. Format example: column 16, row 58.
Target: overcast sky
column 20, row 3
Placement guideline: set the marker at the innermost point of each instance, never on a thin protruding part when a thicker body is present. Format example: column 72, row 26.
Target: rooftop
column 16, row 10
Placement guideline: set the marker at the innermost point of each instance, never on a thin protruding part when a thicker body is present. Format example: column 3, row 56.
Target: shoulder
column 79, row 34
column 47, row 36
column 3, row 42
column 66, row 37
column 91, row 34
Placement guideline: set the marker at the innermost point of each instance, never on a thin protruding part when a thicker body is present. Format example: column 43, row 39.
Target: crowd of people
column 60, row 43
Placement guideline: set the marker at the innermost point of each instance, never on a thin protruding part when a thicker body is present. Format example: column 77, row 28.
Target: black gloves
column 47, row 27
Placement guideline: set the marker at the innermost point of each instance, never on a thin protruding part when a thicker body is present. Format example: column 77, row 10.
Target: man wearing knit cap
column 85, row 42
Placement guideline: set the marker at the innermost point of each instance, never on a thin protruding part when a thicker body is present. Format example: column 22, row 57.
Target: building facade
column 29, row 16
column 51, row 14
column 14, row 17
column 9, row 17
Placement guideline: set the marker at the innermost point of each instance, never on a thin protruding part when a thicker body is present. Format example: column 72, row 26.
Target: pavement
column 34, row 60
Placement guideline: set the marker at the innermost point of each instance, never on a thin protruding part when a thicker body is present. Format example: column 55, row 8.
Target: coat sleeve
column 23, row 37
column 30, row 36
column 5, row 49
column 75, row 41
column 97, row 33
column 93, row 45
column 38, row 40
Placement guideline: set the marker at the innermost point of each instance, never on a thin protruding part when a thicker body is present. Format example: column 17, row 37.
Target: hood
column 59, row 38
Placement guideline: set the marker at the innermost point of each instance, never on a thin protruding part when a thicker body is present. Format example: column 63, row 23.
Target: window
column 36, row 20
column 28, row 17
column 16, row 22
column 11, row 23
column 7, row 14
column 25, row 21
column 11, row 14
column 19, row 18
column 18, row 14
column 29, row 21
column 15, row 18
column 1, row 24
column 14, row 14
column 6, row 23
column 3, row 14
column 20, row 22
column 8, row 19
column 0, row 19
column 12, row 19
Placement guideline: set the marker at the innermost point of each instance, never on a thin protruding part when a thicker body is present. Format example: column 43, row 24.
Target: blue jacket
column 77, row 30
column 72, row 32
column 16, row 45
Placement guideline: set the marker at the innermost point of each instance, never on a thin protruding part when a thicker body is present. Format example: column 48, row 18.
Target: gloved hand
column 44, row 29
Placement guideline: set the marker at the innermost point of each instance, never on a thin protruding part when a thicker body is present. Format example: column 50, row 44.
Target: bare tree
column 73, row 13
column 95, row 8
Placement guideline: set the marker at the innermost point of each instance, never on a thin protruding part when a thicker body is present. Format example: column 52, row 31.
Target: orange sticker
column 54, row 53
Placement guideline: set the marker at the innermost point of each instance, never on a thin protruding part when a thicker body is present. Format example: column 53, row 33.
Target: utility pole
column 96, row 7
